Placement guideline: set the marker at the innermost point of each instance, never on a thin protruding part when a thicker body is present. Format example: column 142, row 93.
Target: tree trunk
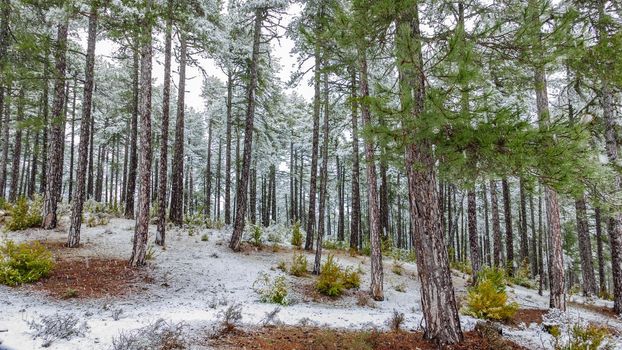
column 473, row 239
column 496, row 226
column 228, row 148
column 177, row 174
column 73, row 239
column 17, row 146
column 509, row 236
column 240, row 217
column 55, row 166
column 323, row 182
column 314, row 149
column 524, row 245
column 602, row 282
column 73, row 133
column 166, row 99
column 5, row 89
column 141, row 232
column 355, row 213
column 131, row 175
column 585, row 248
column 440, row 311
column 208, row 172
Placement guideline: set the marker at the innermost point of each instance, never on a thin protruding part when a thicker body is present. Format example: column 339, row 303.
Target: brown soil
column 603, row 310
column 298, row 338
column 91, row 278
column 528, row 316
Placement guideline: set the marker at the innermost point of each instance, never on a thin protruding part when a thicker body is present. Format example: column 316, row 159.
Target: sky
column 281, row 49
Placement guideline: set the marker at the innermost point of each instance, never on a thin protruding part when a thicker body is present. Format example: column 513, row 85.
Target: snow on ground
column 194, row 280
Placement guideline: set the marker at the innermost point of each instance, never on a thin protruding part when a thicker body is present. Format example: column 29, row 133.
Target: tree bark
column 476, row 264
column 17, row 146
column 177, row 172
column 73, row 239
column 323, row 182
column 228, row 148
column 355, row 213
column 57, row 133
column 602, row 282
column 166, row 99
column 131, row 175
column 240, row 217
column 524, row 245
column 314, row 149
column 141, row 232
column 585, row 248
column 440, row 311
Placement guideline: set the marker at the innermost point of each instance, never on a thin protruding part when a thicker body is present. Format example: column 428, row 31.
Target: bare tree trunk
column 166, row 99
column 57, row 133
column 73, row 133
column 228, row 148
column 5, row 144
column 141, row 233
column 611, row 145
column 524, row 245
column 323, row 182
column 5, row 90
column 240, row 217
column 602, row 282
column 177, row 174
column 496, row 226
column 509, row 235
column 208, row 172
column 473, row 239
column 440, row 311
column 314, row 150
column 131, row 175
column 73, row 239
column 17, row 146
column 46, row 109
column 89, row 186
column 585, row 248
column 355, row 212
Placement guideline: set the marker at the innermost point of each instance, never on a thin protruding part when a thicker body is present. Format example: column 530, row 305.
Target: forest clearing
column 310, row 174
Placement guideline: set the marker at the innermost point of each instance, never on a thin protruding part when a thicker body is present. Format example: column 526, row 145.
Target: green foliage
column 24, row 263
column 397, row 268
column 366, row 249
column 334, row 245
column 204, row 237
column 401, row 287
column 97, row 219
column 271, row 291
column 488, row 299
column 282, row 265
column 462, row 266
column 24, row 215
column 522, row 276
column 299, row 265
column 406, row 255
column 256, row 236
column 333, row 279
column 588, row 337
column 296, row 235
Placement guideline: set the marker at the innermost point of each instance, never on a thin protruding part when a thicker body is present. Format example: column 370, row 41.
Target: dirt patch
column 298, row 338
column 92, row 278
column 527, row 316
column 603, row 310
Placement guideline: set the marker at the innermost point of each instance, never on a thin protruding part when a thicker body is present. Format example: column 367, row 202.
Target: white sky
column 281, row 49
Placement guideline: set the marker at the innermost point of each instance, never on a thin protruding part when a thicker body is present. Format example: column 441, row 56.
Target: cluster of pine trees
column 418, row 107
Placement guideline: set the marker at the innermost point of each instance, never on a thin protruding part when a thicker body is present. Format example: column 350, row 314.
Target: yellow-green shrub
column 24, row 262
column 256, row 236
column 488, row 299
column 271, row 291
column 588, row 337
column 296, row 235
column 299, row 265
column 333, row 280
column 24, row 215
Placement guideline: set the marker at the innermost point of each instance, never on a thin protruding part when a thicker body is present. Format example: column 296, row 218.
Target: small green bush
column 462, row 266
column 398, row 268
column 271, row 291
column 256, row 236
column 24, row 215
column 24, row 263
column 522, row 277
column 204, row 237
column 296, row 235
column 488, row 299
column 299, row 265
column 333, row 280
column 282, row 265
column 589, row 337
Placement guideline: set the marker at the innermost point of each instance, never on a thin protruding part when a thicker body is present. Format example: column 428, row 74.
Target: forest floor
column 192, row 282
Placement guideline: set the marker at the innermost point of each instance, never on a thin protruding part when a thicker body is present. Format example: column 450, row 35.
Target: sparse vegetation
column 396, row 321
column 256, row 234
column 583, row 337
column 230, row 318
column 333, row 280
column 159, row 335
column 271, row 290
column 24, row 214
column 397, row 268
column 296, row 235
column 56, row 327
column 24, row 263
column 488, row 298
column 299, row 265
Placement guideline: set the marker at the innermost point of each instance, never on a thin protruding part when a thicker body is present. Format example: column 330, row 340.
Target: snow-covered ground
column 194, row 280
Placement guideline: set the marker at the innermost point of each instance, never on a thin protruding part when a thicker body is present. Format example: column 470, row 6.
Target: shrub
column 57, row 326
column 296, row 235
column 204, row 237
column 351, row 278
column 398, row 268
column 299, row 265
column 522, row 277
column 256, row 236
column 581, row 337
column 230, row 318
column 333, row 280
column 488, row 299
column 24, row 215
column 24, row 263
column 271, row 291
column 97, row 219
column 282, row 265
column 462, row 266
column 396, row 321
column 158, row 335
column 400, row 288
